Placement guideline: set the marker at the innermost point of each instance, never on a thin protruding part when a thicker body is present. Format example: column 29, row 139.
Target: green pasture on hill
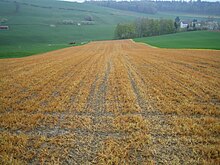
column 35, row 29
column 191, row 40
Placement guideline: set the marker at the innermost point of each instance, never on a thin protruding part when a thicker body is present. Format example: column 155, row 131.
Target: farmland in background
column 32, row 27
column 111, row 102
column 31, row 32
column 192, row 40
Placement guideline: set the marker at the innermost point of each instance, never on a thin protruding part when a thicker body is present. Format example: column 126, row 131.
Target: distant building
column 198, row 25
column 4, row 27
column 202, row 25
column 52, row 25
column 68, row 22
column 183, row 24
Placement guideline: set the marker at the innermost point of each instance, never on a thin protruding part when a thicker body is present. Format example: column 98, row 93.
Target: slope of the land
column 111, row 102
column 37, row 26
column 192, row 40
column 40, row 26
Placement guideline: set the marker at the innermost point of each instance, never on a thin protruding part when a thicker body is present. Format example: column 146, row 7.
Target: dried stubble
column 111, row 102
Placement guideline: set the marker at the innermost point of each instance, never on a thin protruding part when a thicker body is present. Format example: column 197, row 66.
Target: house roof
column 185, row 22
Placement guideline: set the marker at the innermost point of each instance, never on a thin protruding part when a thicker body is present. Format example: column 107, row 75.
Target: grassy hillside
column 31, row 32
column 38, row 25
column 195, row 40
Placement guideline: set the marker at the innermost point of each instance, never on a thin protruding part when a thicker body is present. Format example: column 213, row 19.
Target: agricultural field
column 191, row 40
column 111, row 102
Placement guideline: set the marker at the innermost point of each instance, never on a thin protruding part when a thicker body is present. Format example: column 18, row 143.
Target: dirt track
column 111, row 102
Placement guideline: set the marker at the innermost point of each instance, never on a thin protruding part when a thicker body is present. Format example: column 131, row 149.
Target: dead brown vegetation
column 111, row 102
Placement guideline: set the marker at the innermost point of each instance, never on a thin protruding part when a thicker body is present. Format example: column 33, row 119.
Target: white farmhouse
column 183, row 24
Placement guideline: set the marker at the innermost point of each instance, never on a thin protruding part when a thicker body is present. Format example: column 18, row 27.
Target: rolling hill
column 111, row 102
column 44, row 25
column 40, row 26
column 193, row 40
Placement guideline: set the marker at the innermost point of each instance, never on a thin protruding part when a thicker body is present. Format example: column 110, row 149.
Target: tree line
column 195, row 7
column 144, row 27
column 152, row 7
column 136, row 6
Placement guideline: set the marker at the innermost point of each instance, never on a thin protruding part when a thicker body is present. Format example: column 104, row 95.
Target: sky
column 185, row 0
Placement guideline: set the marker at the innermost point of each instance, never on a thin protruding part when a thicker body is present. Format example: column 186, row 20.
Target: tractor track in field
column 95, row 102
column 158, row 120
column 101, row 93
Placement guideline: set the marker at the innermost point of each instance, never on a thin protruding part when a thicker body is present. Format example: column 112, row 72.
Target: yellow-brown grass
column 111, row 102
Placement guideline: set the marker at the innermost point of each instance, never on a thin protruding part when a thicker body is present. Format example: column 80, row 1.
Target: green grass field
column 191, row 40
column 31, row 31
